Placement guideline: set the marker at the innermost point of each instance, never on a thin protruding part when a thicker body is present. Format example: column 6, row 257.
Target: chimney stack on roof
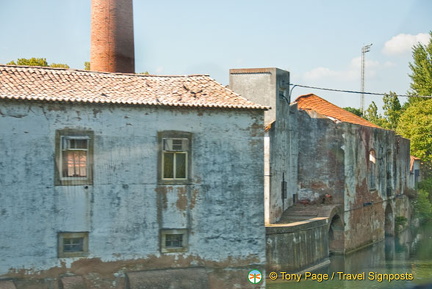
column 112, row 36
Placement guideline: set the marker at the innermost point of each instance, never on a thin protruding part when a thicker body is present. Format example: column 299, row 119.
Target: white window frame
column 63, row 141
column 169, row 148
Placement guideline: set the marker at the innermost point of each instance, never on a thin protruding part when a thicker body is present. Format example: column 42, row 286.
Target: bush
column 423, row 206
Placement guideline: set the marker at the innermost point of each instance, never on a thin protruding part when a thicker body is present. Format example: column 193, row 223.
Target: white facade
column 127, row 208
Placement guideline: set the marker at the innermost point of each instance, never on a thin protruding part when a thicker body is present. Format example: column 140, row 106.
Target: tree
column 29, row 62
column 371, row 114
column 59, row 65
column 392, row 110
column 421, row 69
column 36, row 62
column 416, row 124
column 356, row 111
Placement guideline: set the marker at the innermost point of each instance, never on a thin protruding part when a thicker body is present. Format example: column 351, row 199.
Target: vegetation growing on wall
column 423, row 206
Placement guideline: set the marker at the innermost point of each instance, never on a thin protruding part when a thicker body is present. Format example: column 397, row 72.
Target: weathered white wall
column 125, row 207
column 334, row 159
column 270, row 86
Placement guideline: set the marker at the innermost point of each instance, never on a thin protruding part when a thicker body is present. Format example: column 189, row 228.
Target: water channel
column 408, row 256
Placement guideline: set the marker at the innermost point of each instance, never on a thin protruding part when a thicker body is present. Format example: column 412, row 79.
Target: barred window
column 74, row 157
column 72, row 244
column 174, row 240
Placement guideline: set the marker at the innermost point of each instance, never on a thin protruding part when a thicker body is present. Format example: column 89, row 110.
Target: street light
column 365, row 49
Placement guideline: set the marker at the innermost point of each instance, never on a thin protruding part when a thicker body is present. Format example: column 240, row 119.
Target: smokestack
column 112, row 38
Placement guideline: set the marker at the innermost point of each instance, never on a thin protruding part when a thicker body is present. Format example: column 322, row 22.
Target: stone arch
column 336, row 234
column 389, row 226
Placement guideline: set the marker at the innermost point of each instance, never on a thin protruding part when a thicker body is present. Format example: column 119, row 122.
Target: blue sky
column 318, row 41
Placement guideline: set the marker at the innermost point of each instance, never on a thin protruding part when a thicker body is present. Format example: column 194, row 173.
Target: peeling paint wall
column 270, row 86
column 335, row 159
column 296, row 246
column 125, row 208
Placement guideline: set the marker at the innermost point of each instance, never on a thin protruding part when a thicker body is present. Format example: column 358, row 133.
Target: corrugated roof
column 67, row 85
column 323, row 107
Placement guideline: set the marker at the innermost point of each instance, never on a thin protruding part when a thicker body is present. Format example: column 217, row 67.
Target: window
column 174, row 240
column 74, row 157
column 72, row 244
column 174, row 157
column 371, row 168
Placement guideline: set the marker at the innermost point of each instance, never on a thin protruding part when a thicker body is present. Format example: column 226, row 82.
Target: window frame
column 73, row 235
column 62, row 136
column 372, row 164
column 164, row 136
column 168, row 232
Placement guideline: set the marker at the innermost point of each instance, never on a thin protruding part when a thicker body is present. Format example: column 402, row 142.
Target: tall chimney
column 112, row 37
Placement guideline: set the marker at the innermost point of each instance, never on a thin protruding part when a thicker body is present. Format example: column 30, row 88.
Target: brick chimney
column 112, row 37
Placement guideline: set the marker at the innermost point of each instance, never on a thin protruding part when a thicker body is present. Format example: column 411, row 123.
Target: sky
column 318, row 41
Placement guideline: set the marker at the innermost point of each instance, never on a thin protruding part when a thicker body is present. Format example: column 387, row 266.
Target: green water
column 408, row 256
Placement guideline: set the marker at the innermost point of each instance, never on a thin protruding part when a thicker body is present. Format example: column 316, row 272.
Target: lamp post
column 365, row 49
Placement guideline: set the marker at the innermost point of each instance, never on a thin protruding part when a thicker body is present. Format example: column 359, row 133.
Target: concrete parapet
column 295, row 246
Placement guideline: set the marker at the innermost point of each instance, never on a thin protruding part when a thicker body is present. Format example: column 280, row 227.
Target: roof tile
column 59, row 84
column 323, row 107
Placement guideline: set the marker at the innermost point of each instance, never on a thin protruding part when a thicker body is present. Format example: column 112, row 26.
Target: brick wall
column 112, row 40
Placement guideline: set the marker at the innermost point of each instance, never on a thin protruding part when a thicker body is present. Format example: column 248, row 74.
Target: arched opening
column 336, row 235
column 371, row 170
column 389, row 221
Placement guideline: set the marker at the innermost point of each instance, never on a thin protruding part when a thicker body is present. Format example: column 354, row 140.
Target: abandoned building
column 118, row 180
column 334, row 182
column 111, row 178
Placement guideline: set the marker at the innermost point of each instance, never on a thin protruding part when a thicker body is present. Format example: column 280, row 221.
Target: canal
column 401, row 262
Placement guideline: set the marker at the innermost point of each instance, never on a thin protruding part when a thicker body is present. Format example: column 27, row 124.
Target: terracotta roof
column 67, row 85
column 323, row 107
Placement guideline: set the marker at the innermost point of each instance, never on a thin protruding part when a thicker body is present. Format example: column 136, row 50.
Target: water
column 406, row 257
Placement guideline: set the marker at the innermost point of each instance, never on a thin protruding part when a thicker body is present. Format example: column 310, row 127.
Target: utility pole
column 365, row 49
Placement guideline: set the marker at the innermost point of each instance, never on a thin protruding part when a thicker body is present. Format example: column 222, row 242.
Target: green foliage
column 392, row 110
column 36, row 62
column 372, row 115
column 400, row 222
column 29, row 62
column 423, row 206
column 416, row 124
column 87, row 65
column 421, row 69
column 356, row 111
column 59, row 65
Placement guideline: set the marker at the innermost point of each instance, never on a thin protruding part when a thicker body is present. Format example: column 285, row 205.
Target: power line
column 353, row 91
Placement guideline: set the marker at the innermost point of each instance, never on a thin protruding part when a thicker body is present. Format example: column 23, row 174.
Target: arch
column 389, row 221
column 336, row 235
column 371, row 170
